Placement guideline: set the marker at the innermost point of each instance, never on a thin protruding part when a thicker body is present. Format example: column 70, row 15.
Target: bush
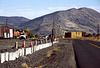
column 37, row 36
column 30, row 34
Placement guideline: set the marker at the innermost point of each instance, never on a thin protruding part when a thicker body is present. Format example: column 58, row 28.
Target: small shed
column 73, row 34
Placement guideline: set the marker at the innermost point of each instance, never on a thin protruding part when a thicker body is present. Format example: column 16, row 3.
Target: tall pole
column 53, row 29
column 98, row 31
column 59, row 30
column 6, row 28
column 6, row 22
column 53, row 24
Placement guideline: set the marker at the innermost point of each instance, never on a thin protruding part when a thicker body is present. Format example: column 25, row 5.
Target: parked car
column 22, row 35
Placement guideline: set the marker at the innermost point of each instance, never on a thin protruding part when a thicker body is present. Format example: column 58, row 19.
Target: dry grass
column 87, row 38
column 51, row 51
column 24, row 65
column 41, row 66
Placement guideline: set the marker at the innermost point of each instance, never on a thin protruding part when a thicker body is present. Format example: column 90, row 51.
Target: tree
column 27, row 29
column 29, row 33
column 84, row 34
column 37, row 36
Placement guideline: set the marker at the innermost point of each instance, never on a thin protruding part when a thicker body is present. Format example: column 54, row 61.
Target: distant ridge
column 14, row 21
column 82, row 19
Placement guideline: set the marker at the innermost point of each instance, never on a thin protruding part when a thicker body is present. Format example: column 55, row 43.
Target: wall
column 9, row 56
column 68, row 35
column 11, row 33
column 4, row 31
column 73, row 34
column 79, row 34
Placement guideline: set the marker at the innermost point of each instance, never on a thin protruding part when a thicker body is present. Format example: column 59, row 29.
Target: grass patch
column 24, row 65
column 41, row 66
column 51, row 51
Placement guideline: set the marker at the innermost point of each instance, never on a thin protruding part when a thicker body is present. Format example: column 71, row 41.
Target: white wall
column 9, row 56
column 11, row 33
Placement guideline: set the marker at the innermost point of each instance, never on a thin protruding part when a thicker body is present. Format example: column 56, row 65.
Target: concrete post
column 50, row 41
column 6, row 56
column 2, row 57
column 16, row 45
column 40, row 41
column 35, row 42
column 46, row 40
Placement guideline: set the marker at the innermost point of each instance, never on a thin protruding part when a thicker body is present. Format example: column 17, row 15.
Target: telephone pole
column 59, row 30
column 6, row 22
column 53, row 29
column 98, row 31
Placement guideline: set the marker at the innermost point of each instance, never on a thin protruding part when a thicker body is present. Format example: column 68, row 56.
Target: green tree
column 27, row 29
column 30, row 34
column 37, row 36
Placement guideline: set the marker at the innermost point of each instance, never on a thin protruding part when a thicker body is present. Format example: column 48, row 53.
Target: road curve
column 87, row 53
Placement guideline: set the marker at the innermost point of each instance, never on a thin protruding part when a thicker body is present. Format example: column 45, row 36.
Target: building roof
column 73, row 31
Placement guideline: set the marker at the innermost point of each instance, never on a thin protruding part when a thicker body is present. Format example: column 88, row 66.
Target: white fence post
column 32, row 49
column 10, row 56
column 17, row 54
column 2, row 56
column 23, row 52
column 6, row 56
column 28, row 51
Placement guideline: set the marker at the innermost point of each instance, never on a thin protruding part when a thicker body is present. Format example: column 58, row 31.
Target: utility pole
column 53, row 29
column 53, row 24
column 59, row 31
column 98, row 31
column 6, row 22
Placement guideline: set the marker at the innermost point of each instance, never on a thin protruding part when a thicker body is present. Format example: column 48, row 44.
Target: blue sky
column 35, row 8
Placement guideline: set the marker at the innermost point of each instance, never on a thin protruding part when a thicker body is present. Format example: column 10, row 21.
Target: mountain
column 82, row 19
column 13, row 22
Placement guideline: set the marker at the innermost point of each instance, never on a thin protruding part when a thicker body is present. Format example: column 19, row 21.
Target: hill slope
column 82, row 19
column 13, row 22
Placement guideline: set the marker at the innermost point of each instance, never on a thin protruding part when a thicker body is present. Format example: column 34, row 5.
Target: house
column 73, row 34
column 4, row 32
column 18, row 33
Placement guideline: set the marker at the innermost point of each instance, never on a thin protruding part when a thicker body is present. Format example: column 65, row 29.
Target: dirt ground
column 60, row 55
column 7, row 45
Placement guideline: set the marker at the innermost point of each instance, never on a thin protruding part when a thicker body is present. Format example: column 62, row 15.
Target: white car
column 22, row 35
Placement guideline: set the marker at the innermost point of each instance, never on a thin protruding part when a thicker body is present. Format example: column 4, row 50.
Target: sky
column 36, row 8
